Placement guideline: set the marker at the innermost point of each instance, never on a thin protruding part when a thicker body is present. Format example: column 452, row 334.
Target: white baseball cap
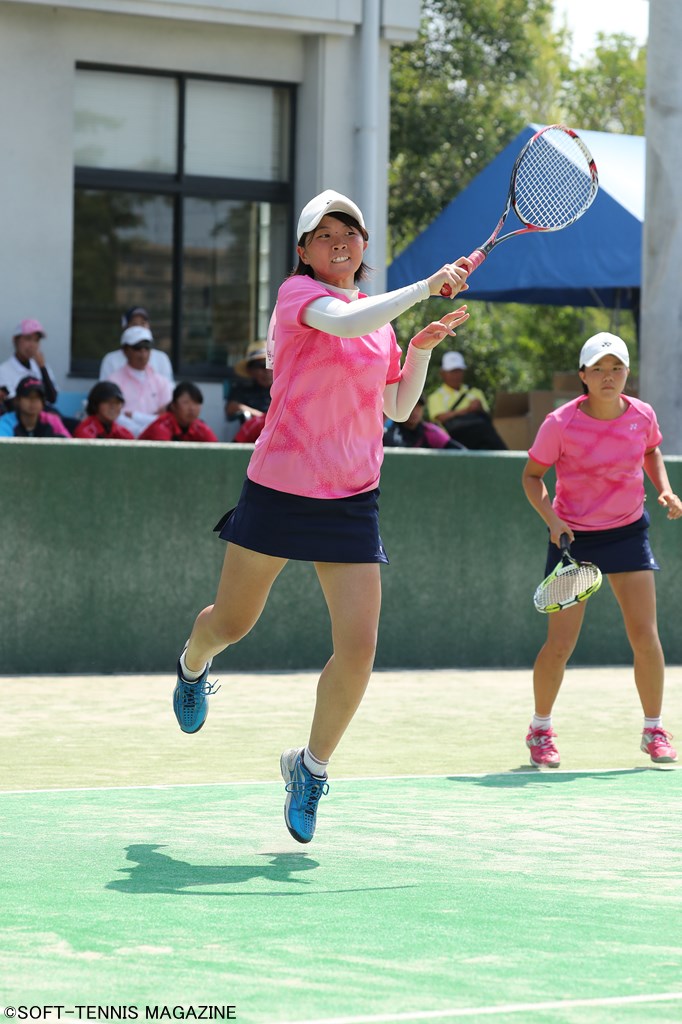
column 603, row 344
column 328, row 201
column 453, row 361
column 135, row 335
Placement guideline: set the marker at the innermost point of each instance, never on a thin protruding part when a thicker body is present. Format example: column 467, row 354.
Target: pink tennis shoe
column 543, row 751
column 656, row 743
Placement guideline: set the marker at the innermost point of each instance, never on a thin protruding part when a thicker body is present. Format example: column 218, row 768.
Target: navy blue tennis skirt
column 621, row 549
column 305, row 529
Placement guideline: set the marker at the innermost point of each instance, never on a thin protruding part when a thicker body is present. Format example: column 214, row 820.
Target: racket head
column 569, row 583
column 554, row 180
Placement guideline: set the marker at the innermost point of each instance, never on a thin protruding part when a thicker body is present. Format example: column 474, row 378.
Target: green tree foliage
column 606, row 93
column 479, row 71
column 452, row 102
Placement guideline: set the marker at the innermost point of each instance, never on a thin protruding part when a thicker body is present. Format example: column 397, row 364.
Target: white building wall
column 316, row 48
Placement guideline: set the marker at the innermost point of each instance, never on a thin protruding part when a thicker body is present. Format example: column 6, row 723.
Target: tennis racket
column 553, row 182
column 570, row 582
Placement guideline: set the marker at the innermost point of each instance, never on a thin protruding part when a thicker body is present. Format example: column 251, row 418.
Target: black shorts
column 305, row 529
column 621, row 549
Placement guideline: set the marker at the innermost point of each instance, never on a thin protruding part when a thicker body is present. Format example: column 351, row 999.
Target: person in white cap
column 136, row 316
column 462, row 410
column 600, row 445
column 311, row 491
column 146, row 392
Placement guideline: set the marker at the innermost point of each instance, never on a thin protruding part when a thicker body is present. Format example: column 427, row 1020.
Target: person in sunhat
column 250, row 385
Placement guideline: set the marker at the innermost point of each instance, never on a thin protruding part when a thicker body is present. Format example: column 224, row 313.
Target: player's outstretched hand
column 433, row 333
column 672, row 503
column 454, row 275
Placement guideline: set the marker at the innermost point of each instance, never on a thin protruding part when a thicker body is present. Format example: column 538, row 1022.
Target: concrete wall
column 107, row 554
column 661, row 320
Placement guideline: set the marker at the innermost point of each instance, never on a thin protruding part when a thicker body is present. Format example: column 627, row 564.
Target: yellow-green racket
column 570, row 583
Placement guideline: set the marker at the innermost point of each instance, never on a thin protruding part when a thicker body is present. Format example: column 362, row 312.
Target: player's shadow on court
column 526, row 775
column 154, row 872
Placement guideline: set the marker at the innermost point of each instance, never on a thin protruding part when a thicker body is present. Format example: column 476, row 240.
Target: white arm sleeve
column 400, row 398
column 351, row 319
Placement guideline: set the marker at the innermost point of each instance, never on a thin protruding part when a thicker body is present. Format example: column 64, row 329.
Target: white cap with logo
column 603, row 344
column 453, row 361
column 328, row 201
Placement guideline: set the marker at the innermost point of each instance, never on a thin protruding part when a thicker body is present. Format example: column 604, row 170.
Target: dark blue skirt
column 305, row 529
column 621, row 549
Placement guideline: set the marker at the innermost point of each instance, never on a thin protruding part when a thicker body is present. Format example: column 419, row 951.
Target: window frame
column 179, row 186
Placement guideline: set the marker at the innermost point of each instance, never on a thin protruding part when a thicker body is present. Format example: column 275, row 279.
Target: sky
column 587, row 17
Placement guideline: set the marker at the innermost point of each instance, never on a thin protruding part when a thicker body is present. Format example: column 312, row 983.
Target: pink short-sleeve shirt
column 598, row 463
column 323, row 434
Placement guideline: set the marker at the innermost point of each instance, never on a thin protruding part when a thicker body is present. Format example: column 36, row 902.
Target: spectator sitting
column 463, row 411
column 181, row 422
column 29, row 418
column 250, row 387
column 105, row 403
column 145, row 391
column 136, row 316
column 28, row 360
column 250, row 431
column 414, row 432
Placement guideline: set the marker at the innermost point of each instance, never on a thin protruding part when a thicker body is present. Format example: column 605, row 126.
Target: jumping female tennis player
column 311, row 491
column 600, row 444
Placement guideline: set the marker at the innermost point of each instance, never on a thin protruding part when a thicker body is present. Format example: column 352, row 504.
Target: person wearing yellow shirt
column 462, row 410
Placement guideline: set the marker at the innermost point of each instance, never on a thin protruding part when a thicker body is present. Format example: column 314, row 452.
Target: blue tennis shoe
column 303, row 795
column 190, row 700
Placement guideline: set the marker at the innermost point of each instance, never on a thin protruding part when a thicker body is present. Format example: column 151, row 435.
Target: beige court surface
column 96, row 731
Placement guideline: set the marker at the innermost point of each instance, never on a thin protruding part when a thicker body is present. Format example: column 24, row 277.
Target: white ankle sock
column 188, row 674
column 653, row 723
column 314, row 765
column 541, row 722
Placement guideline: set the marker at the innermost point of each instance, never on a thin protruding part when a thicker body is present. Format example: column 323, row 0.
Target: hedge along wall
column 108, row 554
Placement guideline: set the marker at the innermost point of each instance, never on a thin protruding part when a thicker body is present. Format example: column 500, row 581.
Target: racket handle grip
column 475, row 260
column 564, row 542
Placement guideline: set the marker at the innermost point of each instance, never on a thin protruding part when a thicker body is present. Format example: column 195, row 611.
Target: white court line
column 537, row 773
column 493, row 1011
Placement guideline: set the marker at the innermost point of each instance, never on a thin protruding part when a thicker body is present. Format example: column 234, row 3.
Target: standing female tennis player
column 311, row 491
column 599, row 445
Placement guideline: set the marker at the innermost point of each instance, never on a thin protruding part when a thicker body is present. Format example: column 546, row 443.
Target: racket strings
column 555, row 181
column 569, row 585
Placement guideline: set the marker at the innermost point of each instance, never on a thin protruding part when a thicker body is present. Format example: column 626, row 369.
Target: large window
column 182, row 205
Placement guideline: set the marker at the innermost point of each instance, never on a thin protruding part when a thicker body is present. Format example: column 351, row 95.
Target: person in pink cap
column 600, row 446
column 312, row 484
column 28, row 360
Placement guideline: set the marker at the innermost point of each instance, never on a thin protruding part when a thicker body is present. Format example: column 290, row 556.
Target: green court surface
column 508, row 894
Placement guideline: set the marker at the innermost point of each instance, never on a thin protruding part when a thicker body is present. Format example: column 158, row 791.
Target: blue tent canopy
column 595, row 262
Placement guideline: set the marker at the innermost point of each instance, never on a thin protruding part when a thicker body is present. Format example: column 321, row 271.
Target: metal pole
column 368, row 115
